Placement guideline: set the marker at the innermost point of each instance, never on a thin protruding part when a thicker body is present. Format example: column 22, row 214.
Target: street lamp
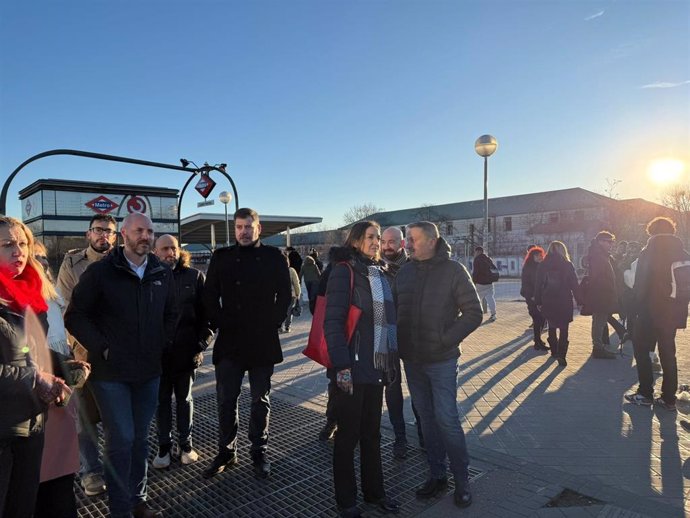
column 485, row 147
column 225, row 197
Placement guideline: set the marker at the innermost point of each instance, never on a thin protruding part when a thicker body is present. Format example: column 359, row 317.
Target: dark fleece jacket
column 437, row 305
column 652, row 288
column 193, row 334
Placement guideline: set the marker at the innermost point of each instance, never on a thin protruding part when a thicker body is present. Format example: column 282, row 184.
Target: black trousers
column 56, row 498
column 646, row 334
column 537, row 320
column 20, row 471
column 558, row 340
column 359, row 421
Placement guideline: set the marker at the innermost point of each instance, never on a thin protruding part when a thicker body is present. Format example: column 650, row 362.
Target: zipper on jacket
column 357, row 345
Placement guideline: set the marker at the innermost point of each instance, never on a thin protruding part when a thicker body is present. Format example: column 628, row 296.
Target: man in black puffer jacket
column 124, row 312
column 438, row 308
column 180, row 362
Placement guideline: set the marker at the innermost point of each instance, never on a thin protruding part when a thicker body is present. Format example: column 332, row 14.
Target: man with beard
column 246, row 297
column 180, row 362
column 124, row 312
column 100, row 236
column 394, row 255
column 438, row 308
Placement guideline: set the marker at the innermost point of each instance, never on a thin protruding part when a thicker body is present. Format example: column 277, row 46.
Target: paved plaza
column 534, row 430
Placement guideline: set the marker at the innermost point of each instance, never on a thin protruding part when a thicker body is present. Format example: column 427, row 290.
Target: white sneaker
column 93, row 484
column 189, row 457
column 161, row 462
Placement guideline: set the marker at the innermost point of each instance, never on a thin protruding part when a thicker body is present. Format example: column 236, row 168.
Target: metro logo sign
column 102, row 205
column 205, row 185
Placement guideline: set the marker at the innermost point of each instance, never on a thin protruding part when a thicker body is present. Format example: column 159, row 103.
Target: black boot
column 562, row 351
column 553, row 345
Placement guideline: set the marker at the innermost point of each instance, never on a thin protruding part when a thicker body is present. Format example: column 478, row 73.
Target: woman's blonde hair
column 559, row 248
column 47, row 289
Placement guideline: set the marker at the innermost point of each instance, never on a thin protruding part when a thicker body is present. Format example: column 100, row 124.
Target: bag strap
column 352, row 278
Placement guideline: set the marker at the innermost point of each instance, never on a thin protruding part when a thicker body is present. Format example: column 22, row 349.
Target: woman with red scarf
column 26, row 389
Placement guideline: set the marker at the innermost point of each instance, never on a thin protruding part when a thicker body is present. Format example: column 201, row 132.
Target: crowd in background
column 122, row 329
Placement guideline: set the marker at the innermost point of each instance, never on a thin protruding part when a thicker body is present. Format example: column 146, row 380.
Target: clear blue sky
column 320, row 105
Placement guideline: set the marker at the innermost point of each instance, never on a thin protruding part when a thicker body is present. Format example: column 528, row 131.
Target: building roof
column 564, row 199
column 79, row 186
column 197, row 227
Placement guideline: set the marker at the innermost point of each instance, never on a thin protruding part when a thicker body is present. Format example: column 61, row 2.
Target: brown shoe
column 141, row 510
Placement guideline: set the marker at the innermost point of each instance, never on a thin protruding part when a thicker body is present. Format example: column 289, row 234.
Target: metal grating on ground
column 301, row 479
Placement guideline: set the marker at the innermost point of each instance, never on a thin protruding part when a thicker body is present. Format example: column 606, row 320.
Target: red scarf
column 22, row 291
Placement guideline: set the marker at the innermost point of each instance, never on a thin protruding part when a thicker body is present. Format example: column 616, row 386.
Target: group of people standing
column 138, row 317
column 648, row 288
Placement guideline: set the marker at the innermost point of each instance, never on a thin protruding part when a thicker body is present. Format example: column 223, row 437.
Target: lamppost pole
column 225, row 198
column 485, row 147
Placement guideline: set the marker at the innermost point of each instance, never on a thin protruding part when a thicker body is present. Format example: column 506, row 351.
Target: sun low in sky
column 666, row 171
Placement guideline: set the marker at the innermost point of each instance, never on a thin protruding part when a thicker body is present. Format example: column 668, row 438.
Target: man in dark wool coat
column 246, row 297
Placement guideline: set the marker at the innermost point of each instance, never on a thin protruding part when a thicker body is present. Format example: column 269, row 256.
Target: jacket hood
column 340, row 253
column 309, row 260
column 185, row 260
column 664, row 243
column 442, row 251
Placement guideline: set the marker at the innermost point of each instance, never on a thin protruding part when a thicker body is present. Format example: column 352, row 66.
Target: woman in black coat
column 534, row 257
column 555, row 288
column 26, row 389
column 361, row 364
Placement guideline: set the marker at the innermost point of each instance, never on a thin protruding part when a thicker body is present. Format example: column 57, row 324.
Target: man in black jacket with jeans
column 246, row 296
column 438, row 308
column 124, row 312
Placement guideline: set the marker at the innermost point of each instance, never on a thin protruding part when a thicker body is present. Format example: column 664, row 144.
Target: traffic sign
column 205, row 185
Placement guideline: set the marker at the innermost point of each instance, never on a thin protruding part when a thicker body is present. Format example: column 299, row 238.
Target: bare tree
column 677, row 198
column 611, row 189
column 359, row 212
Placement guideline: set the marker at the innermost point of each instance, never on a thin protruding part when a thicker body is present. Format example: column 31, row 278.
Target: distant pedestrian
column 535, row 255
column 601, row 297
column 484, row 275
column 295, row 292
column 438, row 308
column 555, row 287
column 180, row 361
column 311, row 274
column 361, row 368
column 315, row 255
column 662, row 294
column 246, row 296
column 295, row 259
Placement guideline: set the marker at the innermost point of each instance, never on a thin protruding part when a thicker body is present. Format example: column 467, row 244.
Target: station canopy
column 196, row 229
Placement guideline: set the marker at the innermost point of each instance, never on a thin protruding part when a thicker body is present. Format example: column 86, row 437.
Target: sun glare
column 666, row 170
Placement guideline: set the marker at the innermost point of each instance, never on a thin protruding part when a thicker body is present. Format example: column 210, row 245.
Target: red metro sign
column 205, row 185
column 102, row 205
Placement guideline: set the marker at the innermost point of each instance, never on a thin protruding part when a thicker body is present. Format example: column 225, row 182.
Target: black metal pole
column 485, row 243
column 122, row 159
column 86, row 154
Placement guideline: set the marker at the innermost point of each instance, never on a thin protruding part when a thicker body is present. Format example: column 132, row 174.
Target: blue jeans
column 181, row 385
column 229, row 376
column 394, row 402
column 88, row 437
column 433, row 387
column 126, row 411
